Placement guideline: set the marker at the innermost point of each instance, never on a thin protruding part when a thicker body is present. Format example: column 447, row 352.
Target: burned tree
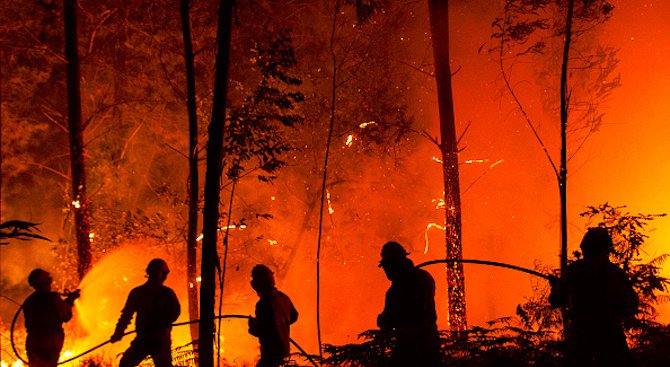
column 210, row 220
column 439, row 26
column 193, row 185
column 80, row 205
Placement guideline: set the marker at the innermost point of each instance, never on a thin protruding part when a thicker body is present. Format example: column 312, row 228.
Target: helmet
column 391, row 252
column 38, row 276
column 157, row 266
column 597, row 240
column 262, row 276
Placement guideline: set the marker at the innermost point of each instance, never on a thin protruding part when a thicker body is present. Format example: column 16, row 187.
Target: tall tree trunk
column 563, row 172
column 324, row 178
column 193, row 184
column 79, row 199
column 439, row 26
column 212, row 187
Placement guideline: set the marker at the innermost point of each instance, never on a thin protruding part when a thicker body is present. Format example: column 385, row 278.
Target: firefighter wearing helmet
column 274, row 315
column 45, row 312
column 157, row 307
column 598, row 298
column 409, row 315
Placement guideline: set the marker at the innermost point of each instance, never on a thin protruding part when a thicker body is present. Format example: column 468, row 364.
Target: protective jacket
column 45, row 313
column 274, row 315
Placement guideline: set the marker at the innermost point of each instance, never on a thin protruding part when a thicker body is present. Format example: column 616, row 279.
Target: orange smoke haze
column 509, row 194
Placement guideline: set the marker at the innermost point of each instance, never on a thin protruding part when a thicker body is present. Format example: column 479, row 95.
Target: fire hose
column 302, row 351
column 486, row 262
column 16, row 316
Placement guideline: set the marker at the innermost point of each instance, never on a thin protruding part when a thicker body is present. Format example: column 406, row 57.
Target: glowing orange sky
column 510, row 214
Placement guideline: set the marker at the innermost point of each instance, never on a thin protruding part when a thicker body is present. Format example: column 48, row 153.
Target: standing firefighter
column 409, row 314
column 598, row 298
column 157, row 307
column 274, row 315
column 45, row 312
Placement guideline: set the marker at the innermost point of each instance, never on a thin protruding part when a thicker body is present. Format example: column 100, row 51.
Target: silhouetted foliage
column 254, row 129
column 532, row 337
column 19, row 230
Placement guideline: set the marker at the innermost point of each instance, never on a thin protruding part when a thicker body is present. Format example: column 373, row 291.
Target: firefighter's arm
column 126, row 316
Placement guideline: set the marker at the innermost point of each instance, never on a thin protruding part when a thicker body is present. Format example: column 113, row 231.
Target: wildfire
column 16, row 363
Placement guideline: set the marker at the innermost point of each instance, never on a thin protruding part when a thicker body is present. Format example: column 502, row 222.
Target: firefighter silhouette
column 45, row 312
column 598, row 298
column 157, row 307
column 274, row 315
column 409, row 315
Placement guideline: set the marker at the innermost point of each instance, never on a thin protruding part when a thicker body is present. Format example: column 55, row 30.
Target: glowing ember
column 350, row 140
column 366, row 124
column 76, row 204
column 439, row 203
column 330, row 207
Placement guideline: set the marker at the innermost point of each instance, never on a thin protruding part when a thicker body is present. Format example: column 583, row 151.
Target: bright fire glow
column 76, row 204
column 67, row 354
column 366, row 124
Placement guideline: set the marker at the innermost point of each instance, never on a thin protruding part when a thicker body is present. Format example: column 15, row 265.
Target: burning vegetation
column 303, row 136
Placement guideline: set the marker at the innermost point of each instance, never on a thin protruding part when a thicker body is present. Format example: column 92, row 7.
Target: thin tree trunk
column 212, row 187
column 325, row 176
column 439, row 25
column 563, row 172
column 193, row 184
column 79, row 199
column 222, row 269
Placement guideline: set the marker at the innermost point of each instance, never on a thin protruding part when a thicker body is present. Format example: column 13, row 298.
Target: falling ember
column 350, row 140
column 198, row 279
column 472, row 161
column 439, row 203
column 272, row 242
column 438, row 160
column 366, row 124
column 76, row 204
column 428, row 227
column 232, row 226
column 499, row 161
column 330, row 206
